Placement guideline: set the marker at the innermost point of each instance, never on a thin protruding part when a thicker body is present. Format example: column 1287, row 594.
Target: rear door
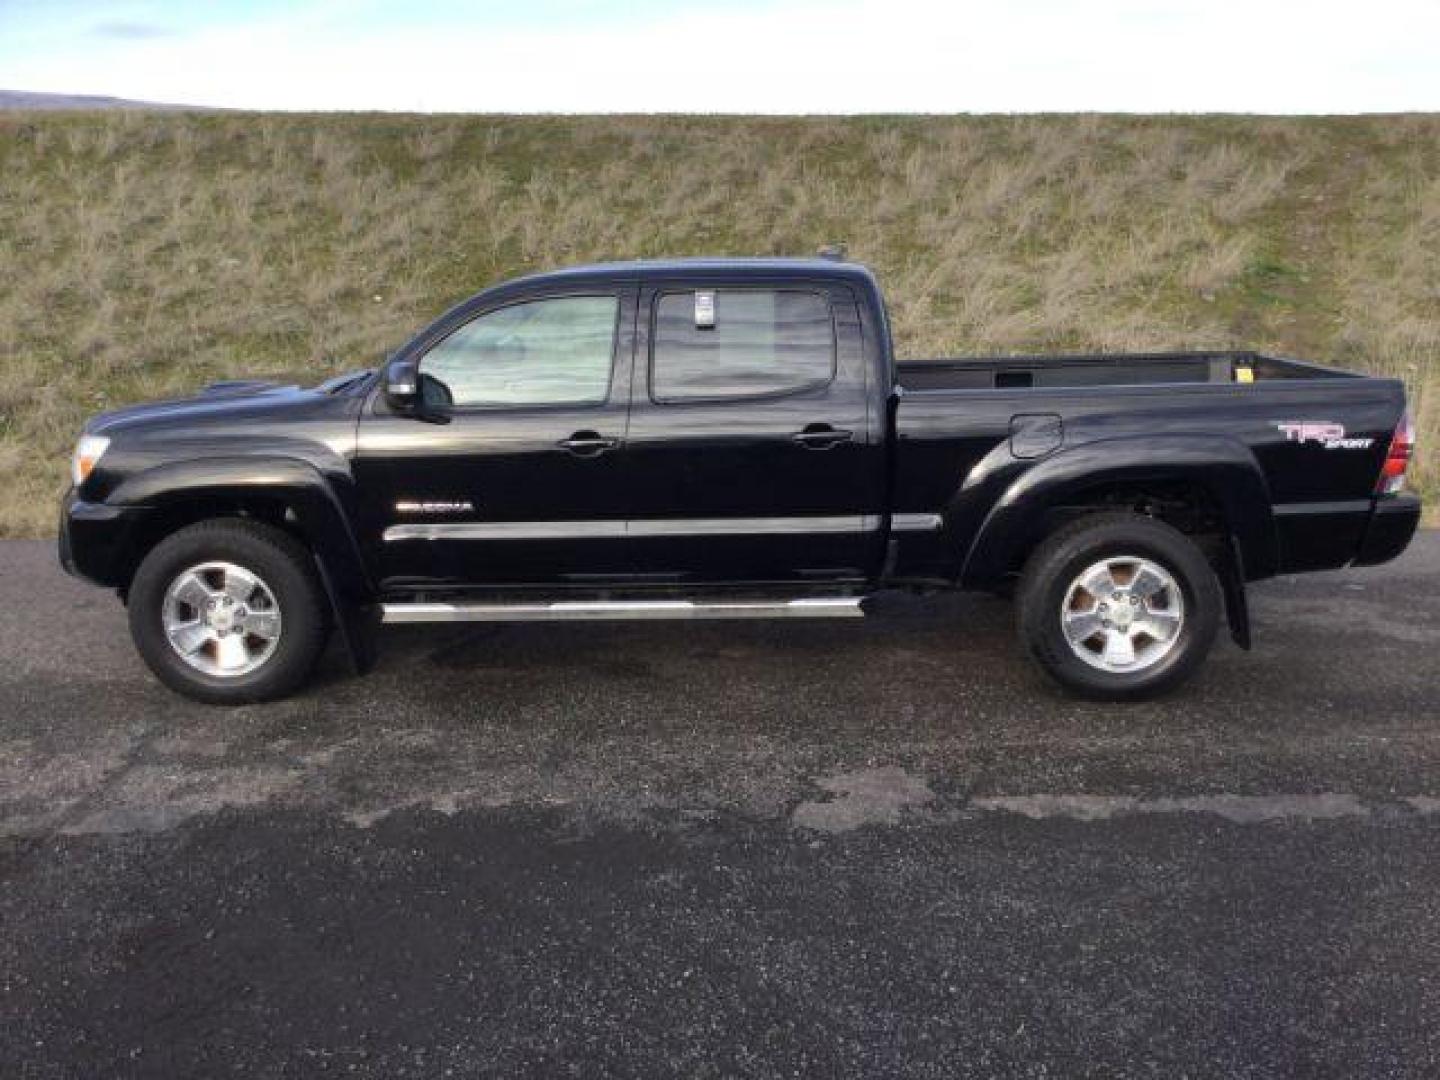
column 520, row 484
column 750, row 455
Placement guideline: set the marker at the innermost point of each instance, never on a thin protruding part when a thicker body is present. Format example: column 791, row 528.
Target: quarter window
column 732, row 343
column 542, row 352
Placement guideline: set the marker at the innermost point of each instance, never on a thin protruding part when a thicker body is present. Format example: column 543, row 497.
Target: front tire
column 229, row 611
column 1119, row 607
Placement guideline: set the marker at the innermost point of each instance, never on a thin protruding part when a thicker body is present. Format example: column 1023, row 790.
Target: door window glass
column 541, row 352
column 733, row 343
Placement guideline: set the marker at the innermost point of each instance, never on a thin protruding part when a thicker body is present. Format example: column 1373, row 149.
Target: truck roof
column 718, row 269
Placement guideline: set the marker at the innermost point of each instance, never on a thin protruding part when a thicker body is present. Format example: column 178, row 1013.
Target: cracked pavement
column 869, row 849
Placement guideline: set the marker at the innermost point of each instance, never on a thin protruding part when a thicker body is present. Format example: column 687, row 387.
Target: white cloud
column 842, row 56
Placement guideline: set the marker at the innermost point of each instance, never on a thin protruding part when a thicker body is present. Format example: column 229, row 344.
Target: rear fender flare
column 1223, row 467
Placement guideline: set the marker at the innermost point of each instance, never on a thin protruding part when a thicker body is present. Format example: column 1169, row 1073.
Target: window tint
column 542, row 352
column 761, row 342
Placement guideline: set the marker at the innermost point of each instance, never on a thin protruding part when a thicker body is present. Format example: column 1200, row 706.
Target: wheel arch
column 1215, row 478
column 286, row 492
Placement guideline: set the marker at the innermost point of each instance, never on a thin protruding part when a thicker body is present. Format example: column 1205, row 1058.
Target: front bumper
column 96, row 540
column 1388, row 532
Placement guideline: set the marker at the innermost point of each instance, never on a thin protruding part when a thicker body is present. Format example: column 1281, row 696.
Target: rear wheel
column 1119, row 606
column 229, row 611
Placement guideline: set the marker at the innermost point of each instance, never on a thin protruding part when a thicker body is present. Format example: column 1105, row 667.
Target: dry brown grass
column 146, row 254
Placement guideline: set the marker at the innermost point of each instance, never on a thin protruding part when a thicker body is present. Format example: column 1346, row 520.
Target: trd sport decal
column 1325, row 432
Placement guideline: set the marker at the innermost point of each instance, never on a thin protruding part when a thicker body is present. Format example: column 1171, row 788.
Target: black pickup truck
column 727, row 439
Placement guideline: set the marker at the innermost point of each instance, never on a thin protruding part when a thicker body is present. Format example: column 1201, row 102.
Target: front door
column 750, row 455
column 520, row 484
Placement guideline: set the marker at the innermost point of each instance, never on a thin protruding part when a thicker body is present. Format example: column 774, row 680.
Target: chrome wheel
column 221, row 619
column 1123, row 614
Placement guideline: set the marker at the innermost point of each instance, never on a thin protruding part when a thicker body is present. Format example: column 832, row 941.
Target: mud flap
column 1231, row 569
column 355, row 622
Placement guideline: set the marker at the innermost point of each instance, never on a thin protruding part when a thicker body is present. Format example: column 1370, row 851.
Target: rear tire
column 1119, row 607
column 229, row 611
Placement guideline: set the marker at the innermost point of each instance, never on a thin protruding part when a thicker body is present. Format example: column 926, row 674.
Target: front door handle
column 587, row 444
column 821, row 436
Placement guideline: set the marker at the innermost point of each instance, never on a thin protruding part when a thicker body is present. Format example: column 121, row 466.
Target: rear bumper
column 1389, row 529
column 1359, row 532
column 95, row 540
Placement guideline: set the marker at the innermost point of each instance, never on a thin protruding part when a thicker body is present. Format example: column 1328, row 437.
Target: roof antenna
column 835, row 252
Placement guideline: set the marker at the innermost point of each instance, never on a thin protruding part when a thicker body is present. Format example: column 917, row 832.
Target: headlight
column 87, row 455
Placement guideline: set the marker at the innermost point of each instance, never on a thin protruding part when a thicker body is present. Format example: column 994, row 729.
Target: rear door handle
column 821, row 436
column 587, row 444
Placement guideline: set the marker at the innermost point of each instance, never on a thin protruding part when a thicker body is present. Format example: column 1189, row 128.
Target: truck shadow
column 946, row 631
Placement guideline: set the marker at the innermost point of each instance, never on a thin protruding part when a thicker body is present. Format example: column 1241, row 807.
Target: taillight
column 1397, row 460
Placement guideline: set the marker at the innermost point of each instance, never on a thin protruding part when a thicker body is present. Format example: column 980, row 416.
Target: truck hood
column 221, row 401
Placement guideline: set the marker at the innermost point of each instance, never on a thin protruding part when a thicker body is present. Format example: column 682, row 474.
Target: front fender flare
column 320, row 514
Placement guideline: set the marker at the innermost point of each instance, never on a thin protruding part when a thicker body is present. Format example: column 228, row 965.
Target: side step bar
column 845, row 607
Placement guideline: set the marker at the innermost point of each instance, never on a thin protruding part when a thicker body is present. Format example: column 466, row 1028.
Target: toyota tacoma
column 728, row 438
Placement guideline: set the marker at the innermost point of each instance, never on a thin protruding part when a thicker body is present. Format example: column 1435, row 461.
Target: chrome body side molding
column 507, row 530
column 619, row 529
column 916, row 522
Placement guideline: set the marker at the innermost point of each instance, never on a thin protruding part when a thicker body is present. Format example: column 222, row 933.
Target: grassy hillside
column 143, row 254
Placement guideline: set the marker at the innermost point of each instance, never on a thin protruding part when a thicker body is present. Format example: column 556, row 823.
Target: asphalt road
column 826, row 849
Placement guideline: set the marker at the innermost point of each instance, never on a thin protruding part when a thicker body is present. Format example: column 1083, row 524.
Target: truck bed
column 967, row 429
column 1102, row 369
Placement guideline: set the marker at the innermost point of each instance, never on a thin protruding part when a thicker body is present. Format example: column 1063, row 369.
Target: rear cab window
column 733, row 344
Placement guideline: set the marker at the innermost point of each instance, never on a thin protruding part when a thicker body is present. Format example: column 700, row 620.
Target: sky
column 740, row 56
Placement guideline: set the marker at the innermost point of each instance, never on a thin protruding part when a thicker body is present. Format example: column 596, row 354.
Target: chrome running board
column 845, row 607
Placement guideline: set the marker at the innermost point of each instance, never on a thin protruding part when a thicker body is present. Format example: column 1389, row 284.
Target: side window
column 555, row 351
column 731, row 343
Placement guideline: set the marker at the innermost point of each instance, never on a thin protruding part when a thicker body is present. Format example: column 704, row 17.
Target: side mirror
column 402, row 385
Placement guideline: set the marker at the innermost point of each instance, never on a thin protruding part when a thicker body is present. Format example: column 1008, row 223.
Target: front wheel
column 229, row 611
column 1119, row 606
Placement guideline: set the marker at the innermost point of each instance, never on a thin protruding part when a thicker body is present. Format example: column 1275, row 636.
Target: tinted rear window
column 762, row 342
